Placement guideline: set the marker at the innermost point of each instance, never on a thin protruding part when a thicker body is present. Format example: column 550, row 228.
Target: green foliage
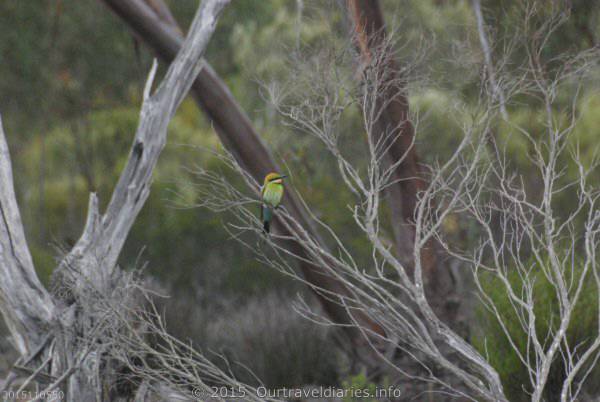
column 492, row 342
column 440, row 131
column 45, row 262
column 61, row 58
column 587, row 131
column 359, row 388
column 359, row 382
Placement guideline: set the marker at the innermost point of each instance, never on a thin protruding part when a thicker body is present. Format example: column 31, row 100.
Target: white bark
column 26, row 305
column 487, row 55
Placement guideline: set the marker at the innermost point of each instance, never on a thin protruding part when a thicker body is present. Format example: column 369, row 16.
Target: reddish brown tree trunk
column 394, row 123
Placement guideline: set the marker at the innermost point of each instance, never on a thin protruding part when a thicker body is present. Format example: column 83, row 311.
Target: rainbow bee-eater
column 271, row 193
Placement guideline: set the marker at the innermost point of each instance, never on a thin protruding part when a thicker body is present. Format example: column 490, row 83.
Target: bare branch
column 487, row 54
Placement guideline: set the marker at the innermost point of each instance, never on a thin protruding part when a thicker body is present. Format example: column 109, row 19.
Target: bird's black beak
column 283, row 176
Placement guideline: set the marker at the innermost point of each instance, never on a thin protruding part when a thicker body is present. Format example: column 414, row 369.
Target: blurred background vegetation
column 71, row 78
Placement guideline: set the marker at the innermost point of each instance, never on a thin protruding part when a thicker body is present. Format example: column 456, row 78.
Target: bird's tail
column 267, row 215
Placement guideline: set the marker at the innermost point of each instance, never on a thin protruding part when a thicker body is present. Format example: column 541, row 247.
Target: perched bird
column 271, row 192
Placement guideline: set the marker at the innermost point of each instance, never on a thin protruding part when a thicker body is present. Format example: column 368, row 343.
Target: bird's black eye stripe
column 280, row 177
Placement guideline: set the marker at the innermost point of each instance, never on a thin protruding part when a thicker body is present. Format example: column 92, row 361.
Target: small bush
column 359, row 382
column 263, row 339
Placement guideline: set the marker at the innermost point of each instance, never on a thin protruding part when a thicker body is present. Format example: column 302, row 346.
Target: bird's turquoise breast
column 272, row 194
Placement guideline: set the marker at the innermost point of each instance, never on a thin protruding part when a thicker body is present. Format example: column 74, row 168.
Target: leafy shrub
column 359, row 382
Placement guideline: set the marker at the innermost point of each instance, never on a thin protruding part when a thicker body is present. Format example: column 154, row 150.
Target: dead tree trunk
column 394, row 128
column 152, row 22
column 62, row 339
